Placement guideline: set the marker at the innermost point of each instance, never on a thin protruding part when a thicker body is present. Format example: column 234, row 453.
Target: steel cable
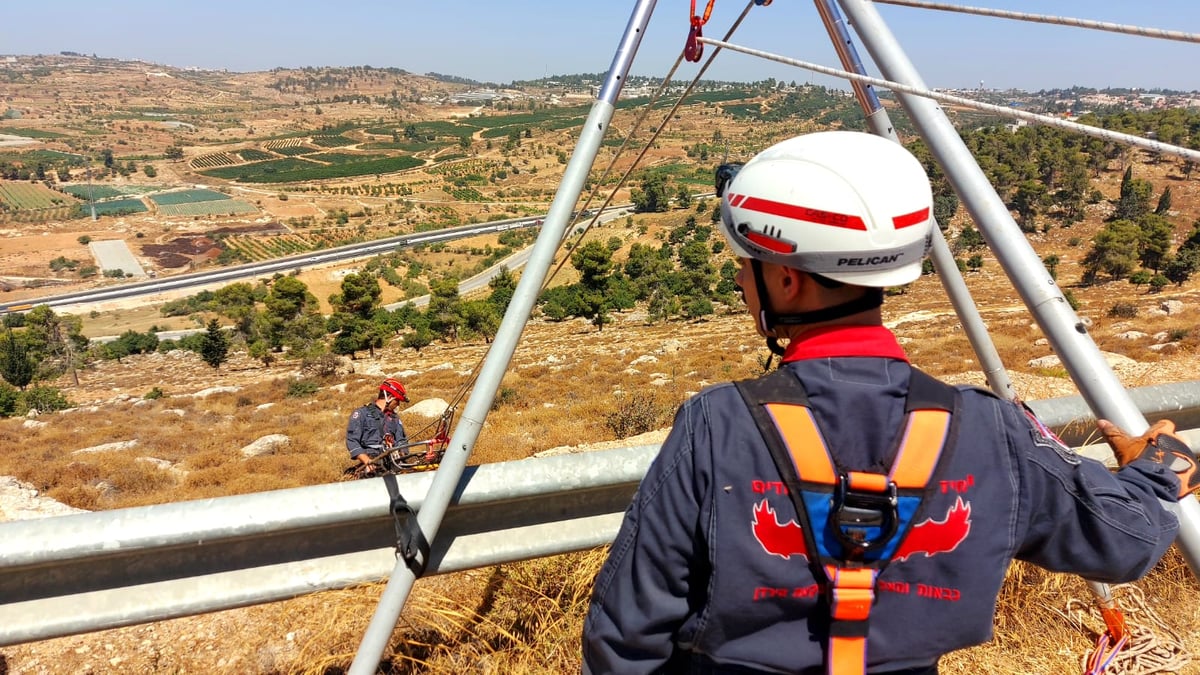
column 1043, row 18
column 1044, row 120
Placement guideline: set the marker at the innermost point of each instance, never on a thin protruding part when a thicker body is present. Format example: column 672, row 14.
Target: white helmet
column 850, row 206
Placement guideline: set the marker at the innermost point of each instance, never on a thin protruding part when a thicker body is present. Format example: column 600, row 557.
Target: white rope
column 1032, row 118
column 1153, row 646
column 1043, row 18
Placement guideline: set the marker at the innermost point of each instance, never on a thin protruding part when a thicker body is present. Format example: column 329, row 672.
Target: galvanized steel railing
column 92, row 571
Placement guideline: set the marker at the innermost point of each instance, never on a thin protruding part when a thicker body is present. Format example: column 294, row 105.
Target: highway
column 270, row 267
column 304, row 260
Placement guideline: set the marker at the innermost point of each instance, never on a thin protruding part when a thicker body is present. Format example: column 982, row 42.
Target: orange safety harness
column 854, row 522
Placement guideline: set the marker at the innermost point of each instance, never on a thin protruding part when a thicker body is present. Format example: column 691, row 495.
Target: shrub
column 44, row 399
column 1123, row 310
column 1071, row 300
column 10, row 397
column 635, row 415
column 85, row 240
column 302, row 388
column 153, row 394
column 325, row 365
column 505, row 396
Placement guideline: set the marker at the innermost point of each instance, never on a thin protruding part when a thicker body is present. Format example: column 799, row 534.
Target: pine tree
column 15, row 365
column 214, row 346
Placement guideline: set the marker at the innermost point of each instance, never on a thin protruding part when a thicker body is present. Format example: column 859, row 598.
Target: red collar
column 838, row 341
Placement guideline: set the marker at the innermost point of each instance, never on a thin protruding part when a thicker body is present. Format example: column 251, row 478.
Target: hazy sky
column 526, row 39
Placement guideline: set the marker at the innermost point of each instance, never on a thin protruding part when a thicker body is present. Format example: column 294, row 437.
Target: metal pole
column 1067, row 334
column 446, row 480
column 943, row 259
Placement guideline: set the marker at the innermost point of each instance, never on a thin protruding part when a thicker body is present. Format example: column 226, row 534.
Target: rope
column 1044, row 120
column 475, row 370
column 1059, row 20
column 649, row 144
column 1152, row 648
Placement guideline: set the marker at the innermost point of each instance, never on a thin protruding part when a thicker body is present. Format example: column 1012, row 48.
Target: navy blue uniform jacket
column 367, row 427
column 705, row 574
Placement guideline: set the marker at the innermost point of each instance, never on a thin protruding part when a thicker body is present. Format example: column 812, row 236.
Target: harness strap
column 410, row 540
column 864, row 516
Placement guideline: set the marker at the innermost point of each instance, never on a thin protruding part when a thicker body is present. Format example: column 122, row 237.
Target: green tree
column 652, row 196
column 1134, row 201
column 503, row 285
column 16, row 366
column 1164, row 203
column 1114, row 251
column 1155, row 241
column 1028, row 201
column 683, row 197
column 970, row 239
column 55, row 342
column 292, row 318
column 214, row 345
column 1051, row 262
column 1179, row 269
column 480, row 317
column 353, row 311
column 1140, row 278
column 445, row 317
column 594, row 262
column 237, row 302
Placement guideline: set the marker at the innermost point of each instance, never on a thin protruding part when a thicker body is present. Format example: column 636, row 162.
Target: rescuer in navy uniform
column 375, row 428
column 848, row 514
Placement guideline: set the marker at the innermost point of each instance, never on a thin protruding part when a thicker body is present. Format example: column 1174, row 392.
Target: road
column 297, row 262
column 477, row 282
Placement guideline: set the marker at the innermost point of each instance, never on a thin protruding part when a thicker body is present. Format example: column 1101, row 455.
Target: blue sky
column 526, row 39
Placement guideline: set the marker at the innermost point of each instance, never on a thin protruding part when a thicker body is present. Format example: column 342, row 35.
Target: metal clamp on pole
column 411, row 544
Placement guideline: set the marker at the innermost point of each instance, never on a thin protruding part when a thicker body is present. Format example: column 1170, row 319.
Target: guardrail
column 92, row 571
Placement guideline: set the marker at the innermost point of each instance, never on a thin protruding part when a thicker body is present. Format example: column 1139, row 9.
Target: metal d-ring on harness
column 854, row 522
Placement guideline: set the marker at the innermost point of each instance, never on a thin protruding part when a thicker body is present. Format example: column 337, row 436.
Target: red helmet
column 392, row 388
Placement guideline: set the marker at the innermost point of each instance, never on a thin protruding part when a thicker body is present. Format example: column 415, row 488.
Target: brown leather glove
column 1158, row 444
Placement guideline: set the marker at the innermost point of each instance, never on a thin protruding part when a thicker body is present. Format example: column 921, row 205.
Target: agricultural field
column 292, row 150
column 187, row 197
column 94, row 191
column 213, row 207
column 16, row 196
column 280, row 143
column 31, row 133
column 295, row 170
column 332, row 141
column 214, row 159
column 252, row 155
column 343, row 157
column 255, row 248
column 252, row 173
column 119, row 207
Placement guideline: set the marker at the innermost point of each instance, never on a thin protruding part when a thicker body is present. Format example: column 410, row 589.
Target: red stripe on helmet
column 736, row 200
column 804, row 213
column 914, row 218
column 771, row 243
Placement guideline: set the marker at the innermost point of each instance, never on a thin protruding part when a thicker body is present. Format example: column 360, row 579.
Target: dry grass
column 568, row 385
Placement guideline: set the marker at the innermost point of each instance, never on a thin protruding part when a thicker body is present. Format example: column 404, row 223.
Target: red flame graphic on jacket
column 776, row 538
column 932, row 537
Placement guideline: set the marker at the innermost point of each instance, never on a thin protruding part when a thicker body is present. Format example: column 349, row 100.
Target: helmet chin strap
column 768, row 319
